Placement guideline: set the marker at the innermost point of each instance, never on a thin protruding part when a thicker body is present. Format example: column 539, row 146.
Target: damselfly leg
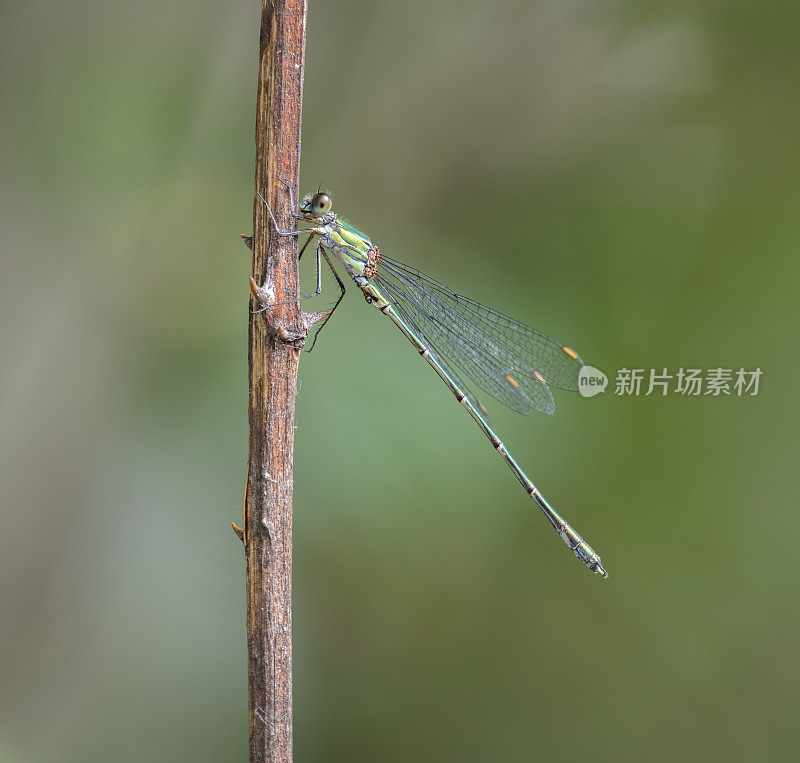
column 305, row 296
column 341, row 296
column 299, row 256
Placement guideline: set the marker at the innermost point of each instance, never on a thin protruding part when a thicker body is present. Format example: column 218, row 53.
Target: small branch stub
column 238, row 531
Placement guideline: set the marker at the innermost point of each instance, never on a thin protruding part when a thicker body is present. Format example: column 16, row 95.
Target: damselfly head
column 316, row 206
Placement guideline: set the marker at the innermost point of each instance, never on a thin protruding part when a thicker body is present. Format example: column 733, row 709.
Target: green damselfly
column 514, row 363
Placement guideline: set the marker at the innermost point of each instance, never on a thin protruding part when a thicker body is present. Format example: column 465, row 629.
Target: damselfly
column 514, row 363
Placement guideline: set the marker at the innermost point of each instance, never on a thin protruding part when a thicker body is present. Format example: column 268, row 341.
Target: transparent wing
column 556, row 362
column 462, row 337
column 441, row 357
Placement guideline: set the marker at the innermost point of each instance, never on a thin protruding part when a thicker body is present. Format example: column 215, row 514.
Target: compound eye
column 320, row 204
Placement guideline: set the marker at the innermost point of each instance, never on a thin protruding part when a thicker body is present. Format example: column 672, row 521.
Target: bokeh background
column 621, row 174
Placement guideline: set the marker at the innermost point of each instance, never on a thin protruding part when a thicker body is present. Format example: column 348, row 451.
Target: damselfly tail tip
column 599, row 568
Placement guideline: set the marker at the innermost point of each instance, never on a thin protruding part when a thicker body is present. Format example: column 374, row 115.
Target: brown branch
column 276, row 338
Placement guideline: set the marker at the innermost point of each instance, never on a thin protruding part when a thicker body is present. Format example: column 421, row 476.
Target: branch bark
column 276, row 338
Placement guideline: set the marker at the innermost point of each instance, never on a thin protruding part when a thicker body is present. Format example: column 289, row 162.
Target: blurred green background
column 623, row 175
